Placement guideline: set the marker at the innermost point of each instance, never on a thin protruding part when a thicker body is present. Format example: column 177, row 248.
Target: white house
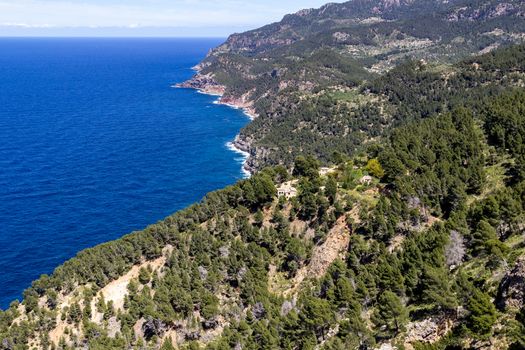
column 287, row 190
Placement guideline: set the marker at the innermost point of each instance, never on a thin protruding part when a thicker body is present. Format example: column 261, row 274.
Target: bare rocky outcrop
column 203, row 273
column 506, row 229
column 455, row 250
column 511, row 293
column 335, row 245
column 190, row 336
column 337, row 242
column 257, row 155
column 153, row 327
column 114, row 327
column 486, row 12
column 225, row 251
column 205, row 83
column 6, row 344
column 386, row 346
column 428, row 330
column 243, row 102
column 210, row 324
column 258, row 311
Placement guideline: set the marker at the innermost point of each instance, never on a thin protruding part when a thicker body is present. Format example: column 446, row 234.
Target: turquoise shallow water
column 95, row 143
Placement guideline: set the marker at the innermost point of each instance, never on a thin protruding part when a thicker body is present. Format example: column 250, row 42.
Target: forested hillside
column 413, row 238
column 306, row 77
column 430, row 250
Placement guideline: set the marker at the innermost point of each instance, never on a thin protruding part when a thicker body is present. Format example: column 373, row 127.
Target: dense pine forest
column 407, row 230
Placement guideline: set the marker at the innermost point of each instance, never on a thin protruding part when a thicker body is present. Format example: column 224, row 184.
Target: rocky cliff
column 338, row 47
column 412, row 239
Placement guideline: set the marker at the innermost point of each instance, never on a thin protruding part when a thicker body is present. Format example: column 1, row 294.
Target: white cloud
column 25, row 25
column 141, row 13
column 146, row 13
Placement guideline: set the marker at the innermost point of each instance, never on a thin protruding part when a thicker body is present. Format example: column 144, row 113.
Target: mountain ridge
column 412, row 238
column 408, row 235
column 306, row 53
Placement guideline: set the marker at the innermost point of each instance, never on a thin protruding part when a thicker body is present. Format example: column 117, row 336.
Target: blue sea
column 95, row 143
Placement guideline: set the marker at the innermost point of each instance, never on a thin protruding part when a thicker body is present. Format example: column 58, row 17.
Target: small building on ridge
column 288, row 189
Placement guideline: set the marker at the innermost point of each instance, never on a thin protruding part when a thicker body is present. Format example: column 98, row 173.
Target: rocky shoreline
column 245, row 146
column 206, row 84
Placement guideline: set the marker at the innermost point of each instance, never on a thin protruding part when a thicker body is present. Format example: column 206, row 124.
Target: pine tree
column 482, row 314
column 167, row 345
column 390, row 314
column 331, row 189
column 317, row 315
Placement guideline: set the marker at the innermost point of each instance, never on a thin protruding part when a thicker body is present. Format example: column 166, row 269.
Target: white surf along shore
column 231, row 144
column 243, row 158
column 247, row 111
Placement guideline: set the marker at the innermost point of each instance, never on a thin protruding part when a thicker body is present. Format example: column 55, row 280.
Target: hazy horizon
column 141, row 18
column 117, row 32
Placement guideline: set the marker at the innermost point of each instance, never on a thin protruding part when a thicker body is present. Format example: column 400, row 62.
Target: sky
column 204, row 18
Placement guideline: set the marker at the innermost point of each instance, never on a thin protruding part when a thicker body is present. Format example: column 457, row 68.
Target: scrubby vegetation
column 424, row 241
column 341, row 120
column 414, row 237
column 331, row 79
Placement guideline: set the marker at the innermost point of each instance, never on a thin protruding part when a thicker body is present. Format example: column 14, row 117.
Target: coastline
column 233, row 145
column 246, row 108
column 245, row 155
column 247, row 112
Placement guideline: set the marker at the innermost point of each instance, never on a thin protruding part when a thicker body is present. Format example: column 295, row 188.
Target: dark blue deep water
column 94, row 143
